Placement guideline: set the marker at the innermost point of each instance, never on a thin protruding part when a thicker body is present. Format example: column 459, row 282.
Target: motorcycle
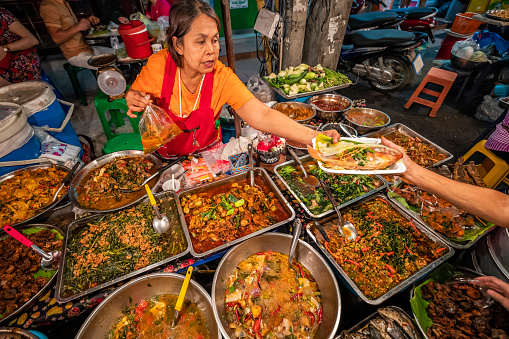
column 420, row 19
column 382, row 57
column 364, row 6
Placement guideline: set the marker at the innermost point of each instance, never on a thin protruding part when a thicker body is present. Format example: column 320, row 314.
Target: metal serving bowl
column 334, row 125
column 465, row 64
column 290, row 105
column 369, row 112
column 305, row 254
column 334, row 98
column 102, row 319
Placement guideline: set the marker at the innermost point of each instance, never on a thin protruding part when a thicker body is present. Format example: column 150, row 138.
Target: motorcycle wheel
column 403, row 74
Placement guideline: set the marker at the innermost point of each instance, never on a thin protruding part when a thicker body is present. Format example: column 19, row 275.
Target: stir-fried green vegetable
column 120, row 243
column 304, row 78
column 343, row 187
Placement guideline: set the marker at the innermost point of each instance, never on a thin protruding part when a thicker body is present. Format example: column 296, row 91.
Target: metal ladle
column 161, row 223
column 49, row 260
column 311, row 180
column 343, row 128
column 297, row 227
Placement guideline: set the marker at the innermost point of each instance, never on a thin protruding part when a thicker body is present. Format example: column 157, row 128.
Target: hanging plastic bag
column 156, row 128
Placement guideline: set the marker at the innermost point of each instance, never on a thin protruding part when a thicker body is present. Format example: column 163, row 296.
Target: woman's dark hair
column 182, row 14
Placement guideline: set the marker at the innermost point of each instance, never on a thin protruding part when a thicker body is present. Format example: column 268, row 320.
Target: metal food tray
column 504, row 102
column 449, row 242
column 45, row 288
column 363, row 323
column 76, row 226
column 30, row 168
column 405, row 129
column 494, row 17
column 78, row 178
column 331, row 211
column 306, row 94
column 230, row 180
column 405, row 283
column 465, row 271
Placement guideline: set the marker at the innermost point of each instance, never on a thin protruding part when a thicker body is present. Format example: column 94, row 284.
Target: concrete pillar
column 295, row 14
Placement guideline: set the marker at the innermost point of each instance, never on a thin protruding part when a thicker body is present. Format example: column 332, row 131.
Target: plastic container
column 136, row 39
column 444, row 53
column 227, row 129
column 464, row 24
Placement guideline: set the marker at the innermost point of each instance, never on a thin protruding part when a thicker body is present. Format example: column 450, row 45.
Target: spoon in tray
column 346, row 228
column 309, row 179
column 161, row 223
column 65, row 182
column 159, row 171
column 344, row 129
column 49, row 260
column 251, row 166
column 182, row 295
column 297, row 227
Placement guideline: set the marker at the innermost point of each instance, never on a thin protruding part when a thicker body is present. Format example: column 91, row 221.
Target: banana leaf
column 442, row 274
column 470, row 234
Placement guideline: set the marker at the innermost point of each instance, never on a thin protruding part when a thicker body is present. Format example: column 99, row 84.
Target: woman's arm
column 27, row 39
column 265, row 119
column 485, row 203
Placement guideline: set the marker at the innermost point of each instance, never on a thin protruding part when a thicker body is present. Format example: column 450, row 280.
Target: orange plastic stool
column 436, row 76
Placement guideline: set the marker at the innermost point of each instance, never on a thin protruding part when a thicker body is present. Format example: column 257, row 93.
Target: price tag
column 418, row 63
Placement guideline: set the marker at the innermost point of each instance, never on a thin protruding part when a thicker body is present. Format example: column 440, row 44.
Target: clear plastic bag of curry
column 156, row 128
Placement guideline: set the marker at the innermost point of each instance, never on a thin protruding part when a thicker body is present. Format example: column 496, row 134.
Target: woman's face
column 201, row 45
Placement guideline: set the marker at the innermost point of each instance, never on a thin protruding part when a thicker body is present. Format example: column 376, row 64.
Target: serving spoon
column 343, row 128
column 49, row 260
column 146, row 181
column 160, row 223
column 309, row 179
column 297, row 227
column 182, row 295
column 64, row 183
column 346, row 228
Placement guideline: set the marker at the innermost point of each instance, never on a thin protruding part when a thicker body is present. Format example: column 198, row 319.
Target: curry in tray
column 117, row 244
column 100, row 189
column 266, row 298
column 229, row 212
column 22, row 196
column 388, row 250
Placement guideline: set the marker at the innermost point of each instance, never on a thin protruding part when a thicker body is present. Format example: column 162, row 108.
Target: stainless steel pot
column 333, row 98
column 102, row 319
column 371, row 113
column 304, row 254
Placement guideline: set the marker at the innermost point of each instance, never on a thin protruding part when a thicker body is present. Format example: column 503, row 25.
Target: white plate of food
column 356, row 156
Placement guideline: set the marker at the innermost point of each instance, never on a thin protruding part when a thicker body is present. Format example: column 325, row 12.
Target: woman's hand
column 136, row 102
column 332, row 133
column 93, row 19
column 498, row 289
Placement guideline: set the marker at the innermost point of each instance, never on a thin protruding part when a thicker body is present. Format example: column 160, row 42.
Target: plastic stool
column 118, row 111
column 493, row 169
column 436, row 76
column 123, row 142
column 461, row 74
column 72, row 72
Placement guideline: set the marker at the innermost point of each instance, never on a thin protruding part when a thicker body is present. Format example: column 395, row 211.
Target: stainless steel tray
column 76, row 226
column 78, row 178
column 504, row 102
column 50, row 282
column 497, row 246
column 331, row 211
column 494, row 17
column 30, row 168
column 405, row 283
column 400, row 127
column 230, row 180
column 306, row 94
column 446, row 239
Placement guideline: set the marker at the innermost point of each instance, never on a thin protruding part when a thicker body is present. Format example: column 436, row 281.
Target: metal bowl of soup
column 305, row 255
column 297, row 111
column 100, row 323
column 366, row 120
column 329, row 107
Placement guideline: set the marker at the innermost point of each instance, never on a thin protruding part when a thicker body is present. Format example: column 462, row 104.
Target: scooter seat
column 380, row 38
column 415, row 12
column 371, row 19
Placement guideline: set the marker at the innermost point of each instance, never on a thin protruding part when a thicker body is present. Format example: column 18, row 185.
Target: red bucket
column 444, row 53
column 136, row 40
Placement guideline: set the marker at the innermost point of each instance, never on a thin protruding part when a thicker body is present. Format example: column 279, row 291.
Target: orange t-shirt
column 227, row 86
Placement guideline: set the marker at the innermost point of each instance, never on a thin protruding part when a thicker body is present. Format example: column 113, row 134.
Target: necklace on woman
column 197, row 97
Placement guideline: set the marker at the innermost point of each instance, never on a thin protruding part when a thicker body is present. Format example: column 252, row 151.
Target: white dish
column 396, row 168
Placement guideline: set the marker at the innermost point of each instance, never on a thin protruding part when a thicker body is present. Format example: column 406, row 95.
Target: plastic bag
column 156, row 128
column 464, row 49
column 260, row 89
column 489, row 110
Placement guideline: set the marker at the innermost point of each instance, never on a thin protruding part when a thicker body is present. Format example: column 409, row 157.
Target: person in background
column 18, row 57
column 498, row 141
column 65, row 30
column 486, row 203
column 157, row 8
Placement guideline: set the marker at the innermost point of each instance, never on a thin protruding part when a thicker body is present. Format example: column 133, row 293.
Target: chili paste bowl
column 304, row 254
column 322, row 101
column 109, row 312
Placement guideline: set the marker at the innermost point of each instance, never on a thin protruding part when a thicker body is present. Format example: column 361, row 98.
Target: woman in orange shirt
column 189, row 81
